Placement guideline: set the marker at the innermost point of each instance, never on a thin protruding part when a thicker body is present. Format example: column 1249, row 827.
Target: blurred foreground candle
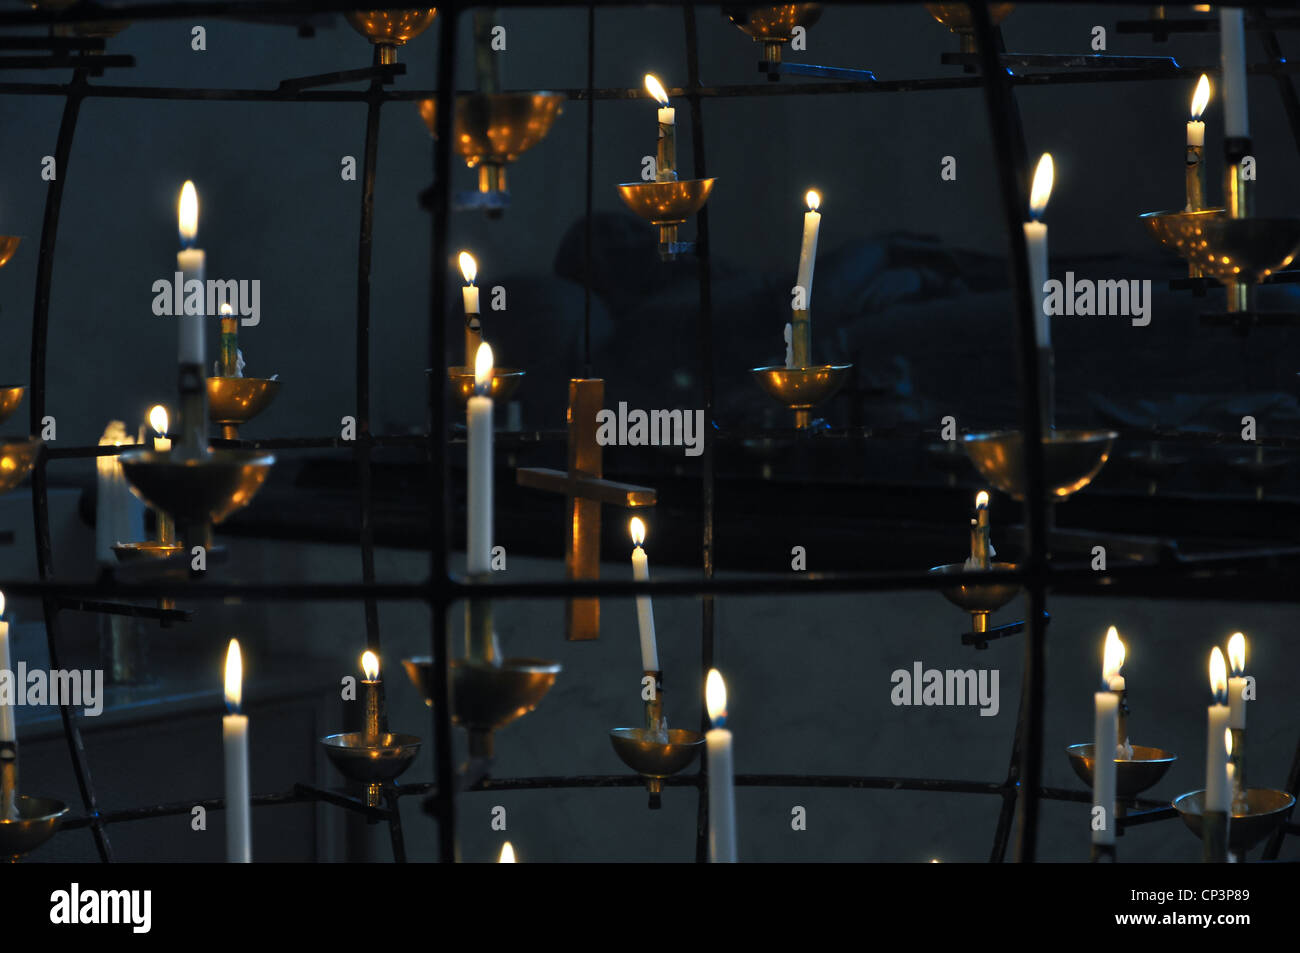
column 234, row 732
column 119, row 514
column 666, row 151
column 1195, row 146
column 722, row 784
column 1218, row 793
column 479, row 414
column 161, row 444
column 1036, row 241
column 645, row 613
column 1105, row 735
column 469, row 294
column 8, row 730
column 1112, row 660
column 1232, row 58
column 801, row 326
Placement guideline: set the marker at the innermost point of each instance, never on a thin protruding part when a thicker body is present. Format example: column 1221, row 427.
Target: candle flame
column 370, row 665
column 656, row 89
column 1218, row 676
column 234, row 677
column 1237, row 653
column 814, row 200
column 468, row 267
column 226, row 308
column 982, row 500
column 1201, row 98
column 637, row 529
column 1227, row 740
column 715, row 697
column 1042, row 188
column 187, row 213
column 158, row 419
column 1113, row 655
column 507, row 854
column 483, row 366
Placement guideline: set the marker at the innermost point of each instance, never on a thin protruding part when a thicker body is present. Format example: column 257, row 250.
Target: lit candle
column 469, row 294
column 507, row 854
column 645, row 613
column 479, row 512
column 1237, row 681
column 1232, row 58
column 372, row 697
column 190, row 263
column 228, row 363
column 234, row 733
column 666, row 154
column 1105, row 734
column 722, row 784
column 1112, row 660
column 1218, row 793
column 801, row 327
column 980, row 548
column 1036, row 240
column 158, row 421
column 1195, row 144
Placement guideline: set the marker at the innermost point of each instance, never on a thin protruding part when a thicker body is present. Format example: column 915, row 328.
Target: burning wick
column 666, row 153
column 1195, row 145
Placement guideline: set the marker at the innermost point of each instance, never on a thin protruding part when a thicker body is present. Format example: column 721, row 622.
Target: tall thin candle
column 801, row 326
column 722, row 784
column 234, row 732
column 479, row 512
column 190, row 262
column 1232, row 58
column 1036, row 240
column 645, row 613
column 1218, row 793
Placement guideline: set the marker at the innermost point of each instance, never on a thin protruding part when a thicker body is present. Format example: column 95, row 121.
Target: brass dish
column 1268, row 811
column 656, row 759
column 205, row 489
column 666, row 203
column 1247, row 249
column 8, row 245
column 371, row 762
column 389, row 29
column 10, row 398
column 1132, row 776
column 956, row 17
column 146, row 551
column 773, row 26
column 38, row 819
column 1183, row 233
column 505, row 381
column 237, row 400
column 16, row 461
column 980, row 599
column 492, row 130
column 1071, row 459
column 802, row 388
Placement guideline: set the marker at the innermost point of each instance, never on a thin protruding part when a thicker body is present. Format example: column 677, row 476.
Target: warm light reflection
column 1201, row 98
column 483, row 366
column 715, row 697
column 1112, row 655
column 982, row 500
column 2, row 603
column 1237, row 653
column 187, row 213
column 468, row 267
column 1218, row 675
column 234, row 677
column 1042, row 188
column 637, row 529
column 370, row 665
column 1227, row 740
column 158, row 419
column 656, row 89
column 507, row 854
column 814, row 200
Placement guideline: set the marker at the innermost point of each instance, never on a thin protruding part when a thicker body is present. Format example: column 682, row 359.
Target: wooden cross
column 585, row 490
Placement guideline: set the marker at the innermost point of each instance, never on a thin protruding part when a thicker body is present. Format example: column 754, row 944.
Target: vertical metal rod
column 395, row 826
column 1007, row 813
column 1293, row 786
column 705, row 329
column 374, row 101
column 588, row 225
column 40, row 479
column 440, row 194
column 997, row 96
column 1017, row 129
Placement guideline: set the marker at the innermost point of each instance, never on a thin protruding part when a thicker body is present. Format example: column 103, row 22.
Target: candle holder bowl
column 491, row 130
column 1132, row 775
column 1153, row 466
column 146, row 551
column 666, row 205
column 1071, row 459
column 1247, row 249
column 505, row 381
column 372, row 762
column 773, row 26
column 38, row 820
column 655, row 760
column 237, row 400
column 487, row 697
column 92, row 29
column 1183, row 233
column 956, row 17
column 16, row 461
column 802, row 388
column 10, row 397
column 1269, row 810
column 980, row 599
column 389, row 29
column 199, row 491
column 8, row 245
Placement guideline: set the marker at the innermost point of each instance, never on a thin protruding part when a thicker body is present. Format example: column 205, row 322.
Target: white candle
column 1218, row 793
column 1105, row 738
column 645, row 613
column 119, row 515
column 812, row 224
column 722, row 784
column 8, row 732
column 1200, row 99
column 1237, row 681
column 234, row 735
column 469, row 296
column 158, row 421
column 190, row 263
column 479, row 509
column 1036, row 241
column 1232, row 58
column 666, row 151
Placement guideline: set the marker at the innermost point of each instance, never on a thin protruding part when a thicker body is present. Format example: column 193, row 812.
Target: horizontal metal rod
column 118, row 608
column 65, row 62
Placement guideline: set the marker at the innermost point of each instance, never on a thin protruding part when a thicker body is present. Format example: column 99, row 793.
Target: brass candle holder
column 1132, row 775
column 1183, row 233
column 196, row 492
column 1266, row 811
column 16, row 461
column 655, row 751
column 505, row 381
column 38, row 818
column 802, row 388
column 233, row 401
column 485, row 696
column 389, row 29
column 372, row 760
column 1071, row 459
column 8, row 245
column 981, row 599
column 492, row 130
column 957, row 18
column 666, row 205
column 10, row 397
column 91, row 29
column 1241, row 252
column 773, row 26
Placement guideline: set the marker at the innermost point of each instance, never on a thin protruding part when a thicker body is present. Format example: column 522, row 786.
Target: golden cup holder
column 1071, row 459
column 1268, row 810
column 1182, row 233
column 957, row 18
column 981, row 599
column 90, row 29
column 389, row 29
column 8, row 245
column 667, row 205
column 802, row 388
column 16, row 461
column 1247, row 249
column 237, row 400
column 653, row 759
column 371, row 761
column 773, row 26
column 10, row 397
column 505, row 381
column 1132, row 775
column 38, row 820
